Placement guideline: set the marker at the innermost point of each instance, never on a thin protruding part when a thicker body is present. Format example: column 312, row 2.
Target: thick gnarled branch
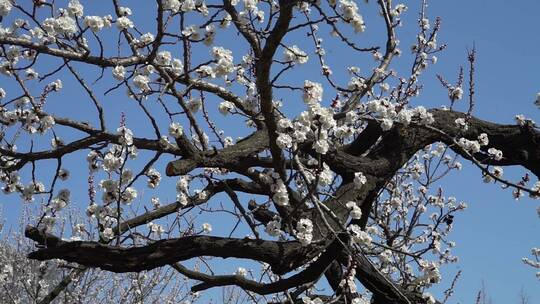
column 230, row 157
column 311, row 274
column 281, row 256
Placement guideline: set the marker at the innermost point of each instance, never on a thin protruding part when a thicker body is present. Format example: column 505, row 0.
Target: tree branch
column 281, row 256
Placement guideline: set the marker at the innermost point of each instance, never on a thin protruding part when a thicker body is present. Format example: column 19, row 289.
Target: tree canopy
column 196, row 130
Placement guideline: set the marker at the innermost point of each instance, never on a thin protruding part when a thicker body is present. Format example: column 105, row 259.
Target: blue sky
column 495, row 232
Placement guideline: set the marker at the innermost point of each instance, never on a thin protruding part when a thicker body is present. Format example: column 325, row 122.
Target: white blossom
column 295, row 55
column 164, row 58
column 95, row 23
column 124, row 11
column 321, row 146
column 46, row 123
column 155, row 229
column 424, row 116
column 281, row 196
column 349, row 9
column 304, row 230
column 5, row 7
column 313, row 92
column 360, row 237
column 326, row 176
column 192, row 32
column 225, row 107
column 155, row 202
column 206, row 71
column 273, row 228
column 107, row 21
column 386, row 124
column 356, row 84
column 79, row 228
column 182, row 184
column 56, row 85
column 202, row 195
column 284, row 141
column 359, row 301
column 58, row 204
column 424, row 23
column 154, row 177
column 173, row 5
column 177, row 66
column 404, row 116
column 206, row 228
column 111, row 162
column 182, row 199
column 308, row 300
column 63, row 174
column 461, row 123
column 75, row 8
column 91, row 210
column 31, row 73
column 355, row 211
column 123, row 23
column 359, row 179
column 241, row 271
column 129, row 195
column 175, row 130
column 141, row 82
column 64, row 25
column 497, row 171
column 471, row 146
column 126, row 136
column 483, row 139
column 429, row 298
column 456, row 93
column 187, row 5
column 224, row 63
column 398, row 10
column 416, row 170
column 147, row 38
column 495, row 153
column 250, row 5
column 108, row 233
column 119, row 72
column 284, row 124
column 48, row 222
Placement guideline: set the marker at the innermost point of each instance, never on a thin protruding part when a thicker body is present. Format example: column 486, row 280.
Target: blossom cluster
column 295, row 55
column 182, row 190
column 224, row 64
column 349, row 9
column 186, row 6
column 32, row 121
column 388, row 113
column 304, row 231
